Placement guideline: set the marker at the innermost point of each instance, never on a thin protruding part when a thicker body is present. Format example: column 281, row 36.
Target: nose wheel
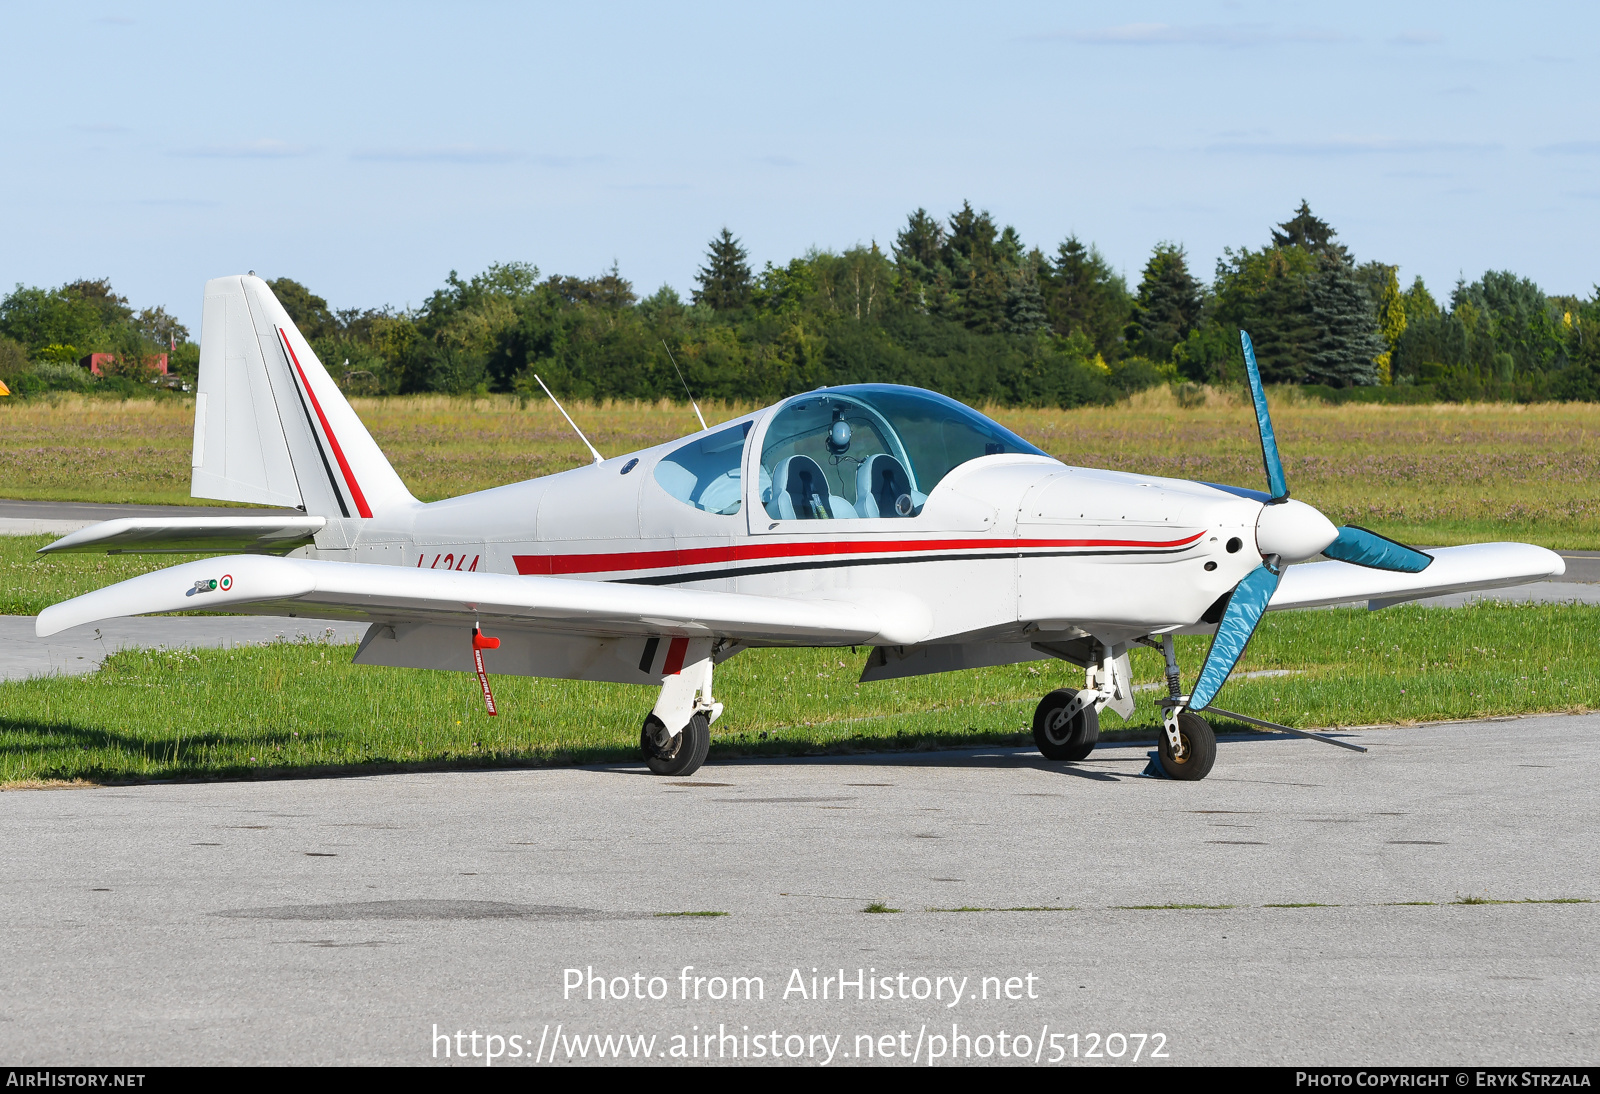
column 1065, row 726
column 1196, row 752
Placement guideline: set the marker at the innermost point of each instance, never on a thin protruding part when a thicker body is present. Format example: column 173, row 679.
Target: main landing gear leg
column 1066, row 723
column 677, row 733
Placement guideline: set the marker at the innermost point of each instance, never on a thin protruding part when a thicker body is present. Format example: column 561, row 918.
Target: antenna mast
column 595, row 452
column 685, row 384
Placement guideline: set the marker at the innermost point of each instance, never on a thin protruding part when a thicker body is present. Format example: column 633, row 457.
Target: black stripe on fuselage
column 835, row 563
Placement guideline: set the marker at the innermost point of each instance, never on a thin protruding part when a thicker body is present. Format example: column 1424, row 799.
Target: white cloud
column 179, row 203
column 1346, row 146
column 1570, row 148
column 266, row 148
column 471, row 154
column 1199, row 34
column 1417, row 38
column 453, row 153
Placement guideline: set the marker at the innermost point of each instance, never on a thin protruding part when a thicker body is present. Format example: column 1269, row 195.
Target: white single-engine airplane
column 868, row 514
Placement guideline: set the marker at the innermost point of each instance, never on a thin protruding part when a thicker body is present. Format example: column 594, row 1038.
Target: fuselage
column 1007, row 543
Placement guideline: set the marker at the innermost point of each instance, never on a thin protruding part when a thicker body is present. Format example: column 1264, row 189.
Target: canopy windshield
column 870, row 450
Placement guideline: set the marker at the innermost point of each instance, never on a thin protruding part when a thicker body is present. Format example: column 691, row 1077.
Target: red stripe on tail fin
column 333, row 442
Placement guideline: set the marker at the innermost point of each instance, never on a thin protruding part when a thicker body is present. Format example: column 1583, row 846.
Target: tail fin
column 270, row 425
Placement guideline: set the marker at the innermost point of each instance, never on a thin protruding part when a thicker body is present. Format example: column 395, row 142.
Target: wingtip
column 50, row 621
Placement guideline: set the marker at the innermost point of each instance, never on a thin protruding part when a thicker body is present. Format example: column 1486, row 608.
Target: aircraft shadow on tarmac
column 1105, row 766
column 1115, row 762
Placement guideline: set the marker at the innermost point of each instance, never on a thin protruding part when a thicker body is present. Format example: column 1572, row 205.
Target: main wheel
column 684, row 752
column 1199, row 749
column 1057, row 737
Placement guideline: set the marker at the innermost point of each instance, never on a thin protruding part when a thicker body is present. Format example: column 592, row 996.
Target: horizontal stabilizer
column 190, row 535
column 257, row 584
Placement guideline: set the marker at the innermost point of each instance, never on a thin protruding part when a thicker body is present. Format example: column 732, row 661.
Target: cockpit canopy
column 870, row 450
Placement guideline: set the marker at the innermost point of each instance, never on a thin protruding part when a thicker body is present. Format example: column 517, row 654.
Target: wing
column 155, row 535
column 257, row 584
column 1453, row 570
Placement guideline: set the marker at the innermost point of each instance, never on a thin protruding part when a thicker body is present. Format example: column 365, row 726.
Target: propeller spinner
column 1286, row 531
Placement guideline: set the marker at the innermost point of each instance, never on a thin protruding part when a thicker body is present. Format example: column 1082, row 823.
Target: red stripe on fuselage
column 333, row 442
column 552, row 565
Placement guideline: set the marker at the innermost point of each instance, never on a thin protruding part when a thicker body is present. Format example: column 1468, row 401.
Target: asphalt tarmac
column 1315, row 914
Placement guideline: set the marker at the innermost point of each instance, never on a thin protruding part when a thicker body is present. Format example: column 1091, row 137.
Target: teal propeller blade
column 1245, row 608
column 1248, row 601
column 1277, row 485
column 1364, row 548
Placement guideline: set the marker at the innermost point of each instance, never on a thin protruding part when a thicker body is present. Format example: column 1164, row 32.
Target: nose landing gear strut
column 1188, row 746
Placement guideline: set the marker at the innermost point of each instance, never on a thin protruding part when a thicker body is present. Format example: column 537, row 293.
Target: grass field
column 1429, row 475
column 302, row 708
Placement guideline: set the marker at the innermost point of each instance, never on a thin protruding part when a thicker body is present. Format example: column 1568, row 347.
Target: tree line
column 959, row 304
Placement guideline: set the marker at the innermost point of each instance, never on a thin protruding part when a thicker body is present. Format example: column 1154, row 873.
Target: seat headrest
column 881, row 484
column 800, row 478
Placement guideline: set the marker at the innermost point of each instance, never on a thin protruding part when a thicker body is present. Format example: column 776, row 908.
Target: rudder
column 271, row 427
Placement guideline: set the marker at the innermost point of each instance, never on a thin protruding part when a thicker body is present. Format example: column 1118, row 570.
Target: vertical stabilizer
column 271, row 427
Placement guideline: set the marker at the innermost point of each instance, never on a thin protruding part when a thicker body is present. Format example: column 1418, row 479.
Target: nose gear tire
column 1199, row 745
column 683, row 754
column 1059, row 740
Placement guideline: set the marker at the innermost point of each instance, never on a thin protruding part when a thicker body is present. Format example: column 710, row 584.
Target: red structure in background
column 93, row 361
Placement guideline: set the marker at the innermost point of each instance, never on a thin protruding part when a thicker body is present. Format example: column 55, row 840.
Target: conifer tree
column 975, row 252
column 1083, row 293
column 918, row 249
column 1279, row 318
column 1168, row 305
column 1309, row 231
column 1347, row 344
column 918, row 244
column 1419, row 302
column 724, row 280
column 1025, row 303
column 1391, row 322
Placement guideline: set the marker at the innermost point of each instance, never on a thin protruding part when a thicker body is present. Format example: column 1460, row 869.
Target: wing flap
column 257, row 584
column 157, row 535
column 1454, row 570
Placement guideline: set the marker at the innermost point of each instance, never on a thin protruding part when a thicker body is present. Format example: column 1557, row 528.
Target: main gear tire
column 1060, row 738
column 1199, row 749
column 683, row 753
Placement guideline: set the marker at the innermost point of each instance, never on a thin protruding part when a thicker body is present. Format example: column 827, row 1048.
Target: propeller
column 1289, row 530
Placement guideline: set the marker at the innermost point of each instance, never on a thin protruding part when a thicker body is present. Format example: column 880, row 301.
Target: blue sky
column 366, row 150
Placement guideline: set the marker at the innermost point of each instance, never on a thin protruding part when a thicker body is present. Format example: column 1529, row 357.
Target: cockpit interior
column 870, row 451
